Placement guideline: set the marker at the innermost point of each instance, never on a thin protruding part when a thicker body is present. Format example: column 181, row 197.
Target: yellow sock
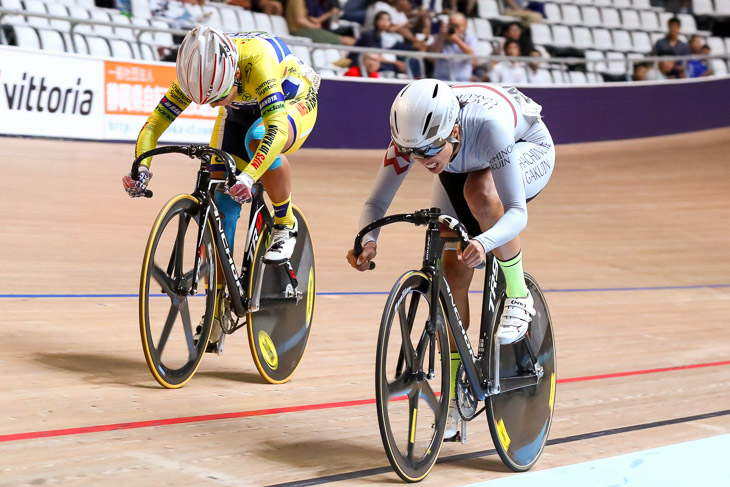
column 283, row 214
column 514, row 276
column 455, row 361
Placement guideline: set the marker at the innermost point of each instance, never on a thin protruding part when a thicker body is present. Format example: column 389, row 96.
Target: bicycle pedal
column 275, row 262
column 454, row 439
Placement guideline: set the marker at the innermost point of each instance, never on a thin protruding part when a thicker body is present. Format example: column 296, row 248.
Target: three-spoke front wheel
column 412, row 378
column 174, row 324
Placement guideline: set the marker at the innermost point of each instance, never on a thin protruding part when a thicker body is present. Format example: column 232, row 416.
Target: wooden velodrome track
column 631, row 238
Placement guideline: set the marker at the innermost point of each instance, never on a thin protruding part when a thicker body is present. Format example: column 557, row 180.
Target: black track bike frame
column 260, row 219
column 475, row 366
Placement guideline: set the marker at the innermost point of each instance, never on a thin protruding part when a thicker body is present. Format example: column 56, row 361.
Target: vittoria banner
column 58, row 95
column 50, row 95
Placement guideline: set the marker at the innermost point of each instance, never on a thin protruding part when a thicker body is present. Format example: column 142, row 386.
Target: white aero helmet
column 206, row 64
column 422, row 117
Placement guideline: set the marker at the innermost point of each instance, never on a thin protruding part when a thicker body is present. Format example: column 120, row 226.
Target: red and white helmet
column 206, row 64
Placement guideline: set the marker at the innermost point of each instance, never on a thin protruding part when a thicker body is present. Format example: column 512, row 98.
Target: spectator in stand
column 509, row 72
column 302, row 23
column 369, row 69
column 513, row 31
column 535, row 74
column 671, row 43
column 270, row 7
column 666, row 69
column 698, row 67
column 454, row 39
column 641, row 71
column 381, row 37
column 355, row 10
column 529, row 12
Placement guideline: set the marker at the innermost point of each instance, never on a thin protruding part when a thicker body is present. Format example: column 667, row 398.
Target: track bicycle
column 515, row 381
column 186, row 249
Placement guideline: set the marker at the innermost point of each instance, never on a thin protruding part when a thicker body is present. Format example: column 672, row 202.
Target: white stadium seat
column 622, row 4
column 101, row 16
column 591, row 16
column 279, row 26
column 582, row 38
column 541, row 34
column 719, row 68
column 722, row 7
column 597, row 56
column 484, row 48
column 148, row 52
column 302, row 52
column 650, row 21
column 594, row 78
column 641, row 41
column 483, row 29
column 229, row 17
column 562, row 36
column 60, row 11
column 641, row 4
column 245, row 19
column 52, row 41
column 571, row 14
column 553, row 14
column 622, row 41
column 38, row 7
column 616, row 63
column 630, row 19
column 263, row 22
column 78, row 12
column 610, row 18
column 578, row 77
column 98, row 46
column 703, row 7
column 26, row 37
column 717, row 46
column 689, row 26
column 602, row 39
column 13, row 19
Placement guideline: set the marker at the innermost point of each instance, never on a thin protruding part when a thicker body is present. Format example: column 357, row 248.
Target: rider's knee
column 253, row 138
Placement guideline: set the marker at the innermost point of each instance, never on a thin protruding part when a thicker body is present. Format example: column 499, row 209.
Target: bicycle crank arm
column 267, row 303
column 513, row 383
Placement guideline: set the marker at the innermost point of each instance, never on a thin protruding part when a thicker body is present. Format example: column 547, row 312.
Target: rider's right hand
column 362, row 262
column 138, row 188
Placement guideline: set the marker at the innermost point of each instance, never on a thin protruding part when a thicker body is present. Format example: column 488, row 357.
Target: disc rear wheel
column 519, row 420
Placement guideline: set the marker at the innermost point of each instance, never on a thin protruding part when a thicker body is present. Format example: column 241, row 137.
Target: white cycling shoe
column 453, row 421
column 516, row 317
column 283, row 241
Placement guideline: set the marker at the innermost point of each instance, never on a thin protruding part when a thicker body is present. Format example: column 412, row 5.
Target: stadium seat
column 123, row 28
column 553, row 14
column 562, row 36
column 38, row 7
column 571, row 14
column 582, row 38
column 162, row 38
column 722, row 8
column 483, row 29
column 79, row 12
column 601, row 3
column 727, row 44
column 616, row 62
column 591, row 16
column 484, row 48
column 719, row 68
column 622, row 4
column 101, row 16
column 13, row 19
column 541, row 34
column 578, row 77
column 596, row 56
column 641, row 4
column 610, row 18
column 594, row 78
column 245, row 19
column 279, row 25
column 489, row 9
column 147, row 52
column 622, row 41
column 98, row 46
column 144, row 36
column 229, row 17
column 558, row 76
column 717, row 46
column 121, row 49
column 602, row 39
column 650, row 21
column 262, row 21
column 58, row 10
column 52, row 41
column 641, row 42
column 630, row 19
column 703, row 8
column 302, row 52
column 26, row 37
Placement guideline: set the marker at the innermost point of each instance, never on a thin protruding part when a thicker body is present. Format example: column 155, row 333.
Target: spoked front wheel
column 412, row 403
column 519, row 420
column 279, row 331
column 175, row 325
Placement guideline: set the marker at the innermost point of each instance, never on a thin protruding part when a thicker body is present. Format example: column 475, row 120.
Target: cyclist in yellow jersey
column 268, row 107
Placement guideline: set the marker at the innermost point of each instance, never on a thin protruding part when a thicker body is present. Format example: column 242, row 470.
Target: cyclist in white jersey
column 492, row 154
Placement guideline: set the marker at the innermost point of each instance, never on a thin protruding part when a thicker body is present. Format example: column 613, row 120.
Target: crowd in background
column 436, row 26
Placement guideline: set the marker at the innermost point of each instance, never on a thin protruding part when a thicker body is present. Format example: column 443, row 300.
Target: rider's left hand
column 473, row 254
column 241, row 192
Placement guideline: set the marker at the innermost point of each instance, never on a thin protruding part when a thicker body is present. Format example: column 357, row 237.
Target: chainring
column 466, row 402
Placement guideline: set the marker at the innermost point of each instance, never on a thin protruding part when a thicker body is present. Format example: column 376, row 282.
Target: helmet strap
column 457, row 146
